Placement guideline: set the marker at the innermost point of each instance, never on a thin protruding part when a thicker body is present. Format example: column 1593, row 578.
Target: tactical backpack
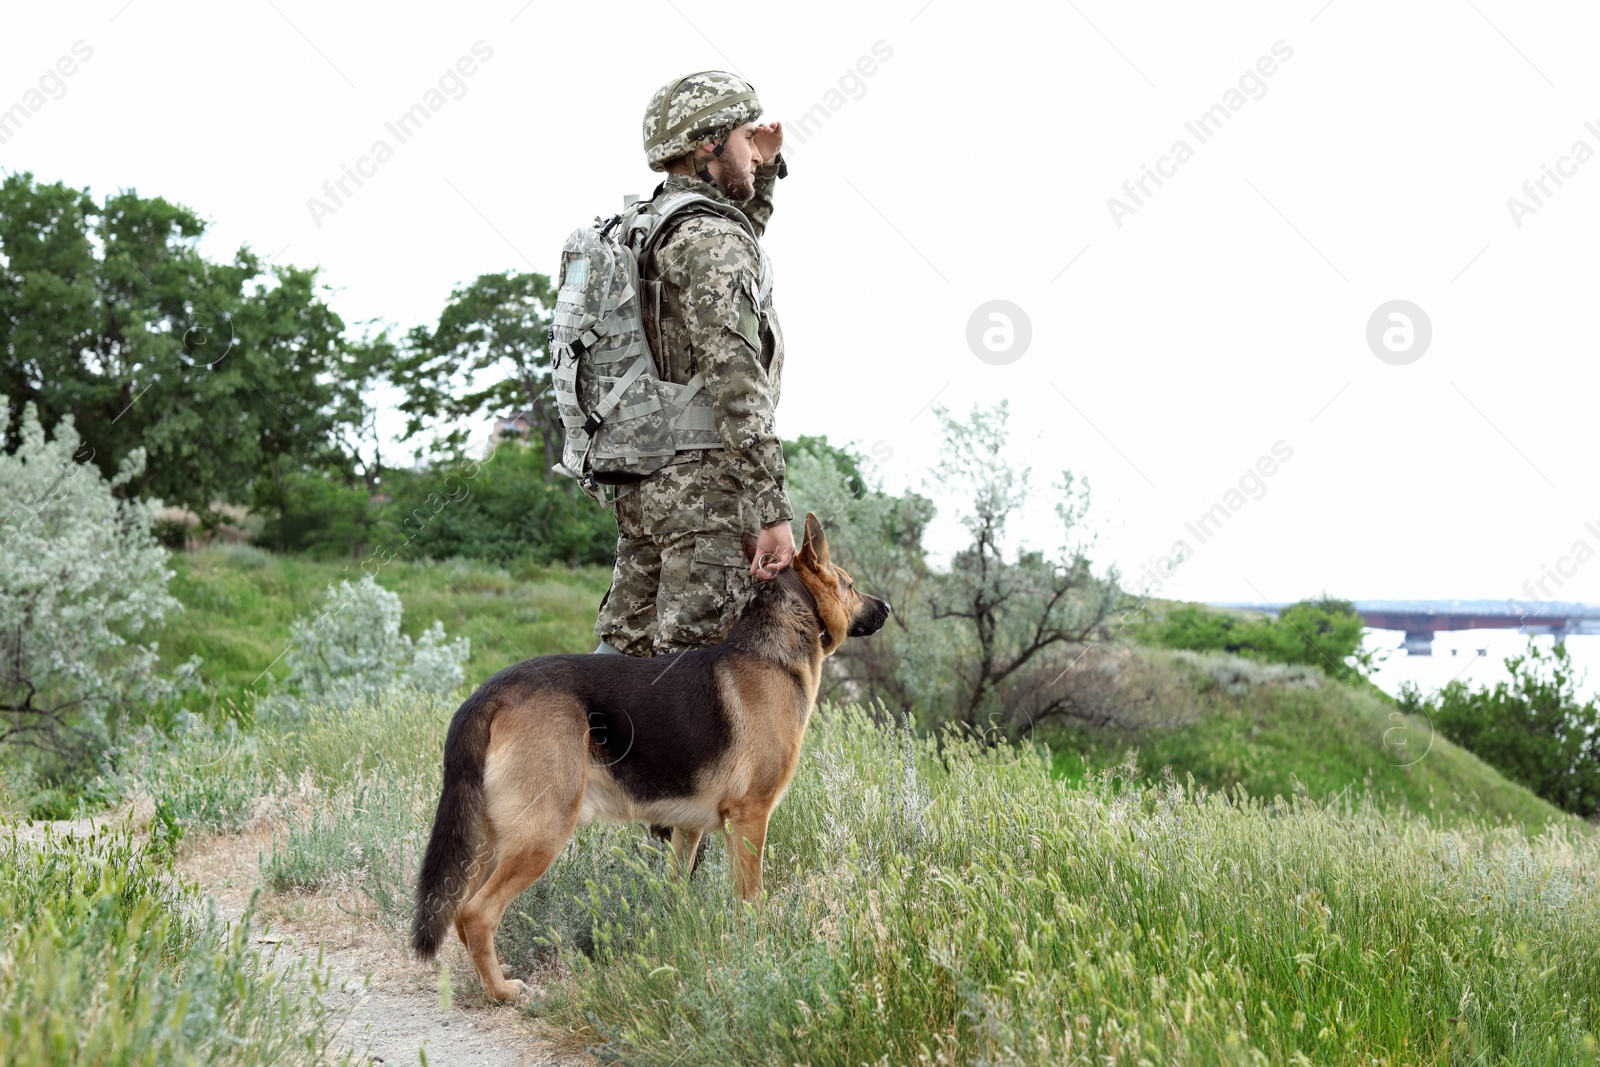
column 622, row 421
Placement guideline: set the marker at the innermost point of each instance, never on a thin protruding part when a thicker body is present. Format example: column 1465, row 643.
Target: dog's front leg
column 746, row 838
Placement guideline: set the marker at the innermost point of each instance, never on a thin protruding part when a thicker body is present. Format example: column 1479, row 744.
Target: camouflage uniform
column 681, row 577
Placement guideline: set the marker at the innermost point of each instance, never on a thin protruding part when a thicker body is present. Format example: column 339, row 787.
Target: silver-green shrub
column 352, row 648
column 83, row 584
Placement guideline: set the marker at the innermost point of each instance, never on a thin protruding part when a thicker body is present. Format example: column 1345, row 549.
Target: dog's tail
column 458, row 825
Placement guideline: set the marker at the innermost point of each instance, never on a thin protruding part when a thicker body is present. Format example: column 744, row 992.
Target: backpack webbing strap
column 565, row 370
column 565, row 373
column 634, row 411
column 699, row 417
column 616, row 355
column 685, row 415
column 613, row 324
column 613, row 398
column 690, row 388
column 650, row 223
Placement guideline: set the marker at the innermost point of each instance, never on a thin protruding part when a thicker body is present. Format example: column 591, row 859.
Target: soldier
column 681, row 577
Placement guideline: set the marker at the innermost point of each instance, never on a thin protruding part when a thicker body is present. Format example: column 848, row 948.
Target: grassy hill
column 1273, row 731
column 240, row 601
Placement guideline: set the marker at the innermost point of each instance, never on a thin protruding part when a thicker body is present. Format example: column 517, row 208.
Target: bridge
column 1421, row 619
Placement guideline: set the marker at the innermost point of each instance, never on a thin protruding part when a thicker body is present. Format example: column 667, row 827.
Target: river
column 1456, row 655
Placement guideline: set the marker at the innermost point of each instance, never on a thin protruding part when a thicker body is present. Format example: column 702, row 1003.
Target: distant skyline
column 1459, row 606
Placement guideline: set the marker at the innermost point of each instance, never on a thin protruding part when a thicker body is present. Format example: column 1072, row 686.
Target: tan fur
column 536, row 740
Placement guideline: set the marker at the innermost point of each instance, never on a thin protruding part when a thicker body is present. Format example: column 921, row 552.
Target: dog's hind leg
column 686, row 849
column 481, row 915
column 483, row 867
column 534, row 779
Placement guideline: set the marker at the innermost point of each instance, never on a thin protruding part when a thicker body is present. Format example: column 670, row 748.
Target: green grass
column 965, row 905
column 1267, row 736
column 373, row 770
column 107, row 959
column 239, row 602
column 357, row 783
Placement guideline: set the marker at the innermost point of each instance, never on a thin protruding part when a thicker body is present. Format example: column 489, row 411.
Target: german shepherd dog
column 698, row 741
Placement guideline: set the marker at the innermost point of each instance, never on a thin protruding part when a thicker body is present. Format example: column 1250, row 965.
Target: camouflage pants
column 681, row 577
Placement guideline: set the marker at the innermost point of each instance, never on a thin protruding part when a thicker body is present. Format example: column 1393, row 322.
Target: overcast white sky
column 1228, row 313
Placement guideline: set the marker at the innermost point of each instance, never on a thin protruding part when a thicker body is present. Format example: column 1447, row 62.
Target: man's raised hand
column 769, row 140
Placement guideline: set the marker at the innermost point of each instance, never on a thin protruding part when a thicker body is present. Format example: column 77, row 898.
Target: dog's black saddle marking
column 653, row 723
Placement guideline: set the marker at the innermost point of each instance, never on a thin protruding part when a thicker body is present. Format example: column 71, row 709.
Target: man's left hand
column 774, row 548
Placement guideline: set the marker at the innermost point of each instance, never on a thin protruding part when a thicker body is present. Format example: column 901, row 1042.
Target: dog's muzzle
column 871, row 619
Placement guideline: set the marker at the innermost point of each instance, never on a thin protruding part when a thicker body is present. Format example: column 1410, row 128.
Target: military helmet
column 684, row 111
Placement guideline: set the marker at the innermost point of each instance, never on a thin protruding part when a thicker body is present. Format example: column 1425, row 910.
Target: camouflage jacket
column 715, row 320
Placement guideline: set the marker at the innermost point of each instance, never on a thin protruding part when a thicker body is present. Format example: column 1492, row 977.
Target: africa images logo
column 999, row 332
column 1399, row 332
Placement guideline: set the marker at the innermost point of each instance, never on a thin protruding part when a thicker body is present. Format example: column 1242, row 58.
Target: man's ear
column 747, row 541
column 816, row 541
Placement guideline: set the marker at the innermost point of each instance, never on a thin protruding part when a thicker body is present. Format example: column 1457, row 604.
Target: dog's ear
column 816, row 545
column 747, row 541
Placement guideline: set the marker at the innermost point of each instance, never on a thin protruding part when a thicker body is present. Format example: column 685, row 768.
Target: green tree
column 877, row 537
column 1532, row 727
column 1193, row 627
column 499, row 508
column 489, row 354
column 320, row 512
column 223, row 373
column 1325, row 633
column 1013, row 613
column 845, row 462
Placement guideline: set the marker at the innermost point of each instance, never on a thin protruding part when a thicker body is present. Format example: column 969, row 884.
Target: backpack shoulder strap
column 650, row 220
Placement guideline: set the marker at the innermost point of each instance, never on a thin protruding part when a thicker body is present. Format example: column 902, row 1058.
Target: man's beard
column 739, row 187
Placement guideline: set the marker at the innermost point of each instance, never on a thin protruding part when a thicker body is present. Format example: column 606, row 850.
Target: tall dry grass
column 950, row 903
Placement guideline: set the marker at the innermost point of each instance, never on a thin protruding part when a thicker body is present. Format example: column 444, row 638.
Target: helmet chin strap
column 700, row 164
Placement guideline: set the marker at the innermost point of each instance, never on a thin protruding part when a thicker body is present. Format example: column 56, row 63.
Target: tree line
column 244, row 387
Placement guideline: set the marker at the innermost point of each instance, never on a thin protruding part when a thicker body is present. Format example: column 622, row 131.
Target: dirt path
column 394, row 1000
